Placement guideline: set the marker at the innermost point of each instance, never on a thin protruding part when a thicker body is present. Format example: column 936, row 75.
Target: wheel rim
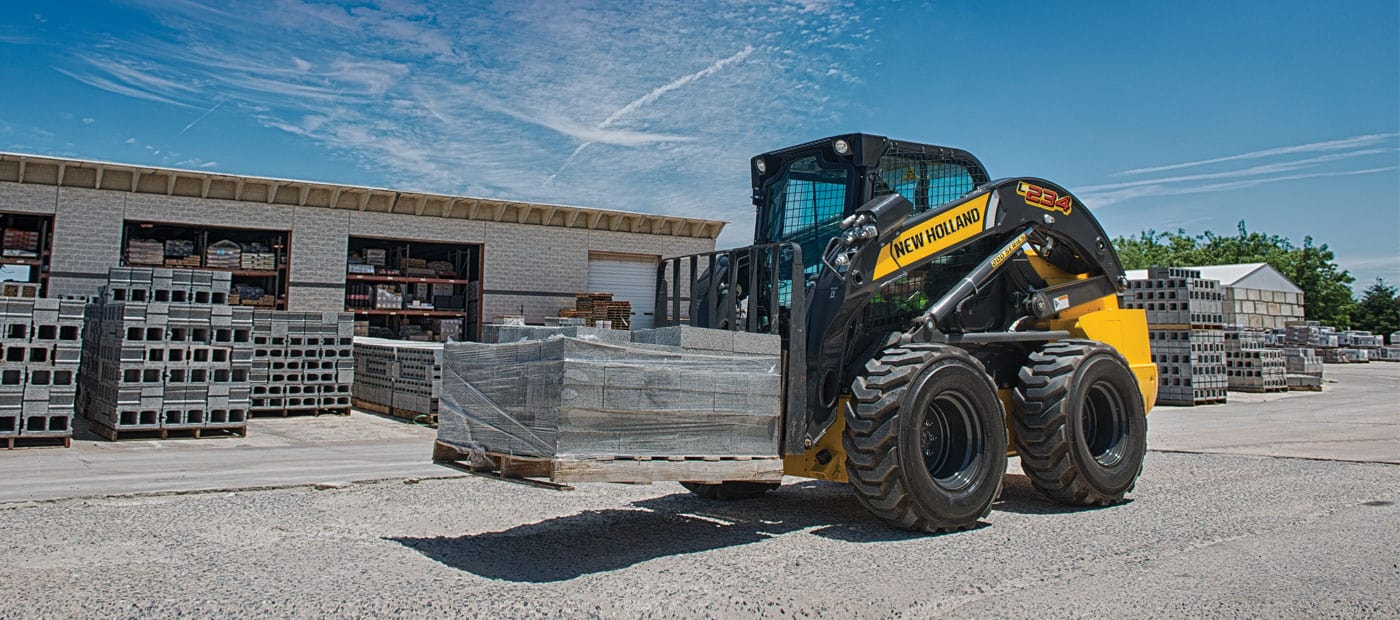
column 1105, row 422
column 951, row 438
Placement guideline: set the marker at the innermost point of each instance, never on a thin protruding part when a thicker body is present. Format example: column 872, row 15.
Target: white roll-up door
column 630, row 278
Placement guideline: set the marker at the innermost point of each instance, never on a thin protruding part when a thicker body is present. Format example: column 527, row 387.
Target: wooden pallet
column 430, row 419
column 1259, row 390
column 298, row 411
column 1305, row 388
column 1191, row 403
column 12, row 443
column 112, row 434
column 623, row 469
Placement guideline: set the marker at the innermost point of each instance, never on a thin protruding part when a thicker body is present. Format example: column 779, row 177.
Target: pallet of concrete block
column 1360, row 340
column 398, row 378
column 40, row 350
column 1386, row 354
column 1256, row 370
column 1176, row 297
column 571, row 409
column 1333, row 355
column 1190, row 366
column 1304, row 368
column 165, row 368
column 302, row 363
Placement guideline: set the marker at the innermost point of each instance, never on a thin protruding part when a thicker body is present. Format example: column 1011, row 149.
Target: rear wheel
column 732, row 490
column 925, row 438
column 1081, row 428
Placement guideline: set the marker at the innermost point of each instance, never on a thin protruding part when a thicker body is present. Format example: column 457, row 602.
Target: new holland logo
column 1048, row 199
column 935, row 234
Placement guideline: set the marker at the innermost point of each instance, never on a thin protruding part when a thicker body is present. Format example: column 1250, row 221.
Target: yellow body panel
column 806, row 465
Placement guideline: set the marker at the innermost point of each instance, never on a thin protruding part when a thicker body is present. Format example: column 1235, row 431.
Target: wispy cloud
column 121, row 89
column 1274, row 168
column 1111, row 197
column 1356, row 147
column 1312, row 147
column 653, row 95
column 644, row 107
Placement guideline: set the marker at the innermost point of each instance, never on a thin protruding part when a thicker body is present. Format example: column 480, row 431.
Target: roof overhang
column 42, row 170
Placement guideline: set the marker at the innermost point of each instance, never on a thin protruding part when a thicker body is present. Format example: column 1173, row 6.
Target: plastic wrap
column 581, row 397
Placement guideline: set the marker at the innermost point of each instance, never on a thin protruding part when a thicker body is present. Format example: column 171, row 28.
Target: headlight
column 762, row 167
column 842, row 147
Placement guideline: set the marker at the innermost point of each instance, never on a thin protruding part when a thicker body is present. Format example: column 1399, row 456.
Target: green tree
column 1379, row 309
column 1326, row 292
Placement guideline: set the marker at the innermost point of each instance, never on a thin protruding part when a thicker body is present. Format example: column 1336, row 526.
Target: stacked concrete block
column 40, row 350
column 1355, row 356
column 1360, row 340
column 1260, row 308
column 571, row 397
column 1177, row 297
column 179, row 364
column 1257, row 370
column 1190, row 366
column 1304, row 368
column 1333, row 355
column 397, row 377
column 302, row 362
column 1184, row 323
column 1386, row 354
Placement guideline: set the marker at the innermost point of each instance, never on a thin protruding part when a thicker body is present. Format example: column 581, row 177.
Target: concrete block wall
column 87, row 239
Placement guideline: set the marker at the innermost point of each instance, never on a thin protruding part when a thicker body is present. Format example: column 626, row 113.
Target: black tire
column 904, row 472
column 727, row 491
column 1081, row 428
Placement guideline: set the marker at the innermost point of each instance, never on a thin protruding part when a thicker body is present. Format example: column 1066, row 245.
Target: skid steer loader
column 934, row 321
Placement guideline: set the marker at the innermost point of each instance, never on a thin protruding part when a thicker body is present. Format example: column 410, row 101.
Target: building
column 302, row 245
column 1256, row 294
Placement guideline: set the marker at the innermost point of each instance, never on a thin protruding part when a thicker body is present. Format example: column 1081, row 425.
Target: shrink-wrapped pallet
column 586, row 398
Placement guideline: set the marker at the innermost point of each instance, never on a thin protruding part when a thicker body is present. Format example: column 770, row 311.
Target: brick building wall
column 527, row 267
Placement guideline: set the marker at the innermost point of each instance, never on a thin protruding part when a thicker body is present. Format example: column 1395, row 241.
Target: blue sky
column 1187, row 115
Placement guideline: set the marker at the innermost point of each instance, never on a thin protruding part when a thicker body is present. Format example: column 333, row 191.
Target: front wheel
column 1081, row 427
column 925, row 438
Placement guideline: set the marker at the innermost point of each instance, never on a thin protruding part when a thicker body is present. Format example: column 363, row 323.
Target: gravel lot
column 1219, row 525
column 1205, row 534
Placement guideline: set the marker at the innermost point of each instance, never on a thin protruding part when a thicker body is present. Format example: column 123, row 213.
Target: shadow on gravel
column 1019, row 496
column 596, row 541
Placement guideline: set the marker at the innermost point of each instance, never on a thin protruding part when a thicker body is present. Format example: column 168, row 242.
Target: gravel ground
column 1204, row 535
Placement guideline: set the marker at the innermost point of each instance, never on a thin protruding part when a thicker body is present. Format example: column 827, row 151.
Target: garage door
column 628, row 277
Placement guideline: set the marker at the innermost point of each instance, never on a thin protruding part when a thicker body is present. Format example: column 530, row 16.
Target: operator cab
column 803, row 192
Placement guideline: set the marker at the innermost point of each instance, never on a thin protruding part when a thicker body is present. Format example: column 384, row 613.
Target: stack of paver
column 1185, row 332
column 1250, row 366
column 673, row 393
column 398, row 378
column 163, row 352
column 42, row 344
column 303, row 362
column 1304, row 368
